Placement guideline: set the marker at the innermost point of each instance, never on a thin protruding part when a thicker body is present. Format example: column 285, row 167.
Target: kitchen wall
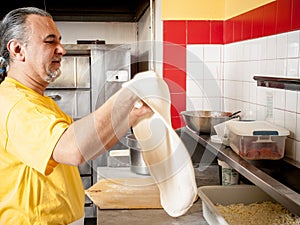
column 111, row 32
column 144, row 41
column 135, row 34
column 216, row 60
column 209, row 58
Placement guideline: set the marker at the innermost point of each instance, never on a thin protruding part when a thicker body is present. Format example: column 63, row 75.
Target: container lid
column 250, row 128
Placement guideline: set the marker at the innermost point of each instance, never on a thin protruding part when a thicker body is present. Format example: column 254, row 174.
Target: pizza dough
column 167, row 159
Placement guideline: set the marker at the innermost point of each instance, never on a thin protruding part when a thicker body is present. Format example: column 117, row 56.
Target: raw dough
column 168, row 160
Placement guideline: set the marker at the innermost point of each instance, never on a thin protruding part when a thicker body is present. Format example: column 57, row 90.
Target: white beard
column 53, row 75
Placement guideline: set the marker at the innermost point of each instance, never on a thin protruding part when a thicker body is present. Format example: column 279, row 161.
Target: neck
column 28, row 81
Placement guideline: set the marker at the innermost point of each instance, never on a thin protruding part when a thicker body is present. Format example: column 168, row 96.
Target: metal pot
column 137, row 163
column 203, row 121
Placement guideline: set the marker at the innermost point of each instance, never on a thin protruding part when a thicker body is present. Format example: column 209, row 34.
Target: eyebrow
column 52, row 36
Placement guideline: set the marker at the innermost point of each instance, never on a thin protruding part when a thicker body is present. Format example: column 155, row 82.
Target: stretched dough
column 167, row 159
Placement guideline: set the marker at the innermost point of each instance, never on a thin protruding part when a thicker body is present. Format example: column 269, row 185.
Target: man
column 40, row 146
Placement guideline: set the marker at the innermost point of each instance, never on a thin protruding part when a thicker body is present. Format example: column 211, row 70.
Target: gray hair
column 13, row 26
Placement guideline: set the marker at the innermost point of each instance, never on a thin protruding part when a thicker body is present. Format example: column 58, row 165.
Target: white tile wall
column 204, row 77
column 281, row 41
column 293, row 44
column 224, row 76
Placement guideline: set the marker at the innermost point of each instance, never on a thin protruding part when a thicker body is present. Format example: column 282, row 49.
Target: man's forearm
column 95, row 133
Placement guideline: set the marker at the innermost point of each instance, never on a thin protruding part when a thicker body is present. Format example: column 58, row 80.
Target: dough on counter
column 168, row 160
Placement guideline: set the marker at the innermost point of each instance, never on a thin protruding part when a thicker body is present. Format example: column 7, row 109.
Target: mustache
column 57, row 59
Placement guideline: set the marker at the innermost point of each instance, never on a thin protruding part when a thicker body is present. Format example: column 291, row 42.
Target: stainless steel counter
column 208, row 175
column 150, row 217
column 204, row 176
column 277, row 190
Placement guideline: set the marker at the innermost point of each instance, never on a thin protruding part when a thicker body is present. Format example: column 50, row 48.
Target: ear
column 16, row 50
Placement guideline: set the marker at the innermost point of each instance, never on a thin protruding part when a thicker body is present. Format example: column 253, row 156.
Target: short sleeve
column 33, row 132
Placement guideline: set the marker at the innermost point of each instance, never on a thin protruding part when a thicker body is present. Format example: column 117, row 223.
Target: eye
column 50, row 42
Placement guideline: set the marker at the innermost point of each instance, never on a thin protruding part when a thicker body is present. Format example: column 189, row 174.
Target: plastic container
column 226, row 195
column 228, row 175
column 255, row 140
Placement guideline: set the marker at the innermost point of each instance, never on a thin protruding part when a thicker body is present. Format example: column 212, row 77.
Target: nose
column 60, row 49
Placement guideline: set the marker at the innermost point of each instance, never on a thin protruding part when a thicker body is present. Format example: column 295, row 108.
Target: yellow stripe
column 207, row 9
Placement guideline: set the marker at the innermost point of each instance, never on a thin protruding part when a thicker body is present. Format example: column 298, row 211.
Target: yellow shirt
column 34, row 190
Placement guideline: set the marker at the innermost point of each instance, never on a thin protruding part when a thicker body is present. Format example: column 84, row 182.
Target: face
column 43, row 51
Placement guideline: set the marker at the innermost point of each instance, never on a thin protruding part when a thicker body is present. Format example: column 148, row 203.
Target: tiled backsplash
column 220, row 77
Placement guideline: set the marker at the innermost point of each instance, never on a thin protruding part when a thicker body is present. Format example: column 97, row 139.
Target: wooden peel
column 125, row 193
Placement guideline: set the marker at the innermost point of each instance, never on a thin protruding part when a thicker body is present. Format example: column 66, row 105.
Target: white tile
column 253, row 92
column 213, row 103
column 261, row 96
column 193, row 103
column 232, row 105
column 254, row 49
column 246, row 50
column 293, row 44
column 228, row 70
column 227, row 89
column 291, row 101
column 213, row 88
column 254, row 67
column 263, row 70
column 221, row 71
column 289, row 123
column 249, row 112
column 271, row 47
column 222, row 47
column 279, row 117
column 239, row 105
column 194, row 88
column 212, row 70
column 262, row 48
column 270, row 67
column 227, row 52
column 238, row 71
column 261, row 112
column 281, row 43
column 231, row 53
column 238, row 88
column 212, row 53
column 235, row 89
column 238, row 51
column 279, row 99
column 195, row 70
column 245, row 71
column 257, row 66
column 280, row 67
column 228, row 104
column 292, row 68
column 245, row 109
column 245, row 92
column 251, row 69
column 194, row 53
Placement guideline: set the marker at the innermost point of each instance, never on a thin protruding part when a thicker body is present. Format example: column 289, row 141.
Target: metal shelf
column 276, row 82
column 277, row 190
